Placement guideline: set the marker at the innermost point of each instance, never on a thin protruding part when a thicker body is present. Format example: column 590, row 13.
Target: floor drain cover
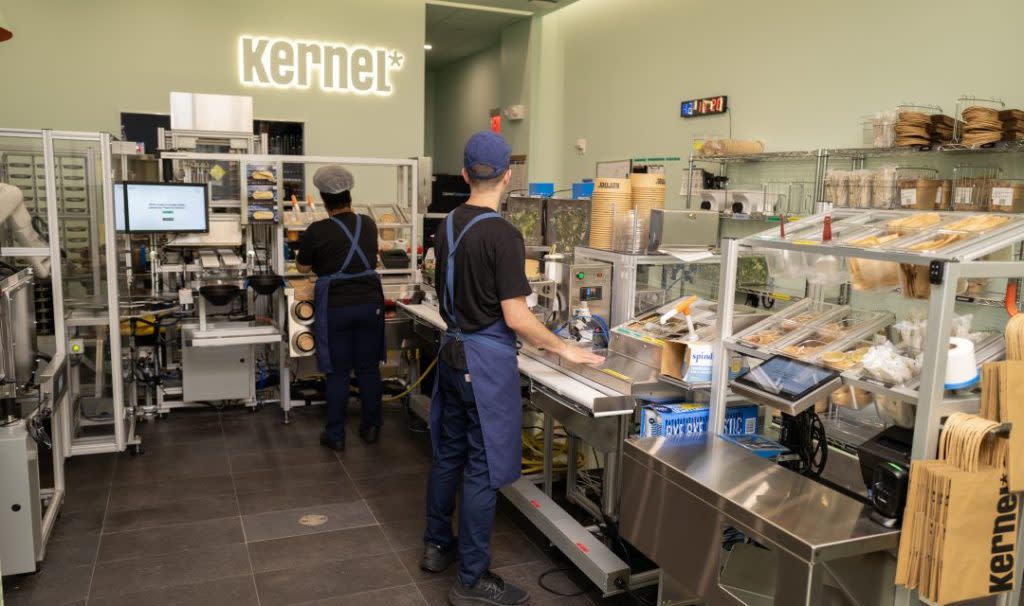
column 313, row 520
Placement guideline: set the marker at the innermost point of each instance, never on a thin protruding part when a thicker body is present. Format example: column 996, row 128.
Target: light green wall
column 515, row 83
column 466, row 92
column 799, row 74
column 76, row 64
column 429, row 110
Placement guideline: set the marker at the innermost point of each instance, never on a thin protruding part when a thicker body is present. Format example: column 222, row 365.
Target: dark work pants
column 355, row 338
column 461, row 456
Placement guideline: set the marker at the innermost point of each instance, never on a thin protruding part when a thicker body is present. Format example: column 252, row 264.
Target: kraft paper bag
column 908, row 563
column 989, row 408
column 1011, row 397
column 978, row 521
column 960, row 524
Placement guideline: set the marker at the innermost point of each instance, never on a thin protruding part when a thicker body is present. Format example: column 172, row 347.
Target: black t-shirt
column 324, row 246
column 489, row 268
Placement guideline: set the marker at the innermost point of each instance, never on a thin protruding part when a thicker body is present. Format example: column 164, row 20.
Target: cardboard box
column 676, row 360
column 690, row 420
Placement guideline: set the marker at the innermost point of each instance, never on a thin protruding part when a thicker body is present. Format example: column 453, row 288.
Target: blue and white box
column 691, row 420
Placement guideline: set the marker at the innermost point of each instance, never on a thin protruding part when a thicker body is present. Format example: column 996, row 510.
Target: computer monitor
column 119, row 223
column 167, row 208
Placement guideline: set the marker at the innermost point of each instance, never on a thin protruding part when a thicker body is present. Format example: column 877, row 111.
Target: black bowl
column 264, row 284
column 219, row 294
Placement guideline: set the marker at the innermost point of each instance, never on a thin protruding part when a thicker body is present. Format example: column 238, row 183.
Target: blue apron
column 322, row 295
column 494, row 374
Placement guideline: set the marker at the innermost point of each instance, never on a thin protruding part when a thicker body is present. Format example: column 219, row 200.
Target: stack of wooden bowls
column 611, row 197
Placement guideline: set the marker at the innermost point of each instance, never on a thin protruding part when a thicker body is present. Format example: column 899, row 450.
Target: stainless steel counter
column 678, row 498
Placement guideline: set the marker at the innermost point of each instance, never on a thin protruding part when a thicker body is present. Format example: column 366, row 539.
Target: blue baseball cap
column 487, row 156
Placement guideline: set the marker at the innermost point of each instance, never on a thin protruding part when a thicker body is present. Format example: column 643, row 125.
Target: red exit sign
column 707, row 106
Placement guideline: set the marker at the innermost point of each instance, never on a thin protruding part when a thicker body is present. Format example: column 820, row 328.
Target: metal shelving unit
column 858, row 157
column 928, row 394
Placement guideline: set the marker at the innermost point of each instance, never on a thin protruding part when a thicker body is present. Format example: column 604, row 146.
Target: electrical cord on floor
column 533, row 454
column 562, row 594
column 415, row 383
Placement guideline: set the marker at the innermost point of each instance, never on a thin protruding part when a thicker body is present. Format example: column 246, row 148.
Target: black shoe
column 336, row 445
column 370, row 433
column 489, row 589
column 436, row 559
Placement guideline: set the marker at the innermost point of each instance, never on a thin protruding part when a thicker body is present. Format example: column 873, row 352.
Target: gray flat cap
column 333, row 179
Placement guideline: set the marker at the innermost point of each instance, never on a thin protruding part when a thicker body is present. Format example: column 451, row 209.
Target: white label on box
column 1002, row 196
column 963, row 196
column 908, row 197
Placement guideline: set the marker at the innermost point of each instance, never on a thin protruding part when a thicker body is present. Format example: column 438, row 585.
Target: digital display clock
column 708, row 106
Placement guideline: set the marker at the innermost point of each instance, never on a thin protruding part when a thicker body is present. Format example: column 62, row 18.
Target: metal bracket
column 936, row 272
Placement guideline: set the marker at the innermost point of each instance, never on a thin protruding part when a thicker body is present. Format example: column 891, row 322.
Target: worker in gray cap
column 349, row 305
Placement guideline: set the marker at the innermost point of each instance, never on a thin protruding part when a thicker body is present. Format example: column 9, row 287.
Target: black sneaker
column 335, row 445
column 436, row 559
column 370, row 433
column 489, row 589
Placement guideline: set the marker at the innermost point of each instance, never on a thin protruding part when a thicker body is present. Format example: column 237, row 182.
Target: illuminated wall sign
column 334, row 67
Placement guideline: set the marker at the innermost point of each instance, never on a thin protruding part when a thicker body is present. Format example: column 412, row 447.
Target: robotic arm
column 13, row 211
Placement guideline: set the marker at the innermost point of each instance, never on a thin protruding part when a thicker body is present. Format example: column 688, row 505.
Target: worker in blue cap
column 476, row 411
column 348, row 305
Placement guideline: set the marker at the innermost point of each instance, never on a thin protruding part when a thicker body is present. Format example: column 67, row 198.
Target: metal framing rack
column 933, row 403
column 396, row 279
column 823, row 156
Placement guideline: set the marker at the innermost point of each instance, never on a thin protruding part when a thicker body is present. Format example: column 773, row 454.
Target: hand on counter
column 579, row 355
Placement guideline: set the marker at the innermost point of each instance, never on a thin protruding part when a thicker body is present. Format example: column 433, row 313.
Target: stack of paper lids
column 611, row 197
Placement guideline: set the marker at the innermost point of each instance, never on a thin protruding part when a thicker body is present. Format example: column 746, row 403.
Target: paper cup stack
column 611, row 197
column 648, row 194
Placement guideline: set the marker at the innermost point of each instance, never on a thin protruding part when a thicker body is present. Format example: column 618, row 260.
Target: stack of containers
column 611, row 197
column 648, row 194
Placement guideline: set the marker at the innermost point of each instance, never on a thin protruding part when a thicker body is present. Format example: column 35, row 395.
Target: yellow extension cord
column 415, row 384
column 533, row 454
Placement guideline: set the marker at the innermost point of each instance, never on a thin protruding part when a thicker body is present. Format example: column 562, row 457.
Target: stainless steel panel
column 590, row 555
column 678, row 497
column 802, row 516
column 216, row 373
column 681, row 228
column 17, row 327
column 397, row 330
column 600, row 432
column 21, row 541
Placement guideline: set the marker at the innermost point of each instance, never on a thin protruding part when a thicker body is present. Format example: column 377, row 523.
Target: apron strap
column 453, row 247
column 353, row 240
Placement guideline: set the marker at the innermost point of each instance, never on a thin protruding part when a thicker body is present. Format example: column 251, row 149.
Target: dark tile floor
column 233, row 508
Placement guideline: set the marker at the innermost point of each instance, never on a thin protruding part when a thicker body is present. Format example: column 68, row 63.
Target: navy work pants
column 355, row 342
column 461, row 456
